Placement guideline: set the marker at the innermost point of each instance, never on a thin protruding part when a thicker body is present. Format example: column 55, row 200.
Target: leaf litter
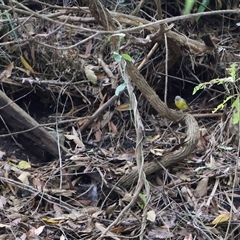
column 79, row 198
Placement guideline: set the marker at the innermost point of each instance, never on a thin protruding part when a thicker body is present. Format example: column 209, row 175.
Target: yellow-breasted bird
column 181, row 103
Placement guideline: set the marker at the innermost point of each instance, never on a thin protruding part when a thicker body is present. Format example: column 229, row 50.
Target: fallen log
column 33, row 136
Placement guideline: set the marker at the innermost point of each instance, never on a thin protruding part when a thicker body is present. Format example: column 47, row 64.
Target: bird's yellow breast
column 181, row 103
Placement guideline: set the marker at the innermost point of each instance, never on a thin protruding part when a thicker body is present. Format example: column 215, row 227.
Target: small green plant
column 189, row 6
column 226, row 81
column 202, row 8
column 119, row 57
column 143, row 202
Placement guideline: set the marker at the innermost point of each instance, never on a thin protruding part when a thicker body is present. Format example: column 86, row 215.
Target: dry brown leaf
column 157, row 152
column 113, row 127
column 118, row 229
column 102, row 229
column 102, row 77
column 5, row 226
column 91, row 76
column 103, row 99
column 37, row 184
column 154, row 138
column 106, row 119
column 9, row 69
column 58, row 210
column 7, row 72
column 188, row 237
column 91, row 210
column 24, row 177
column 76, row 140
column 98, row 136
column 123, row 107
column 151, row 216
column 89, row 47
column 201, row 189
column 3, row 202
column 128, row 156
column 33, row 233
column 85, row 202
column 110, row 209
column 160, row 233
column 127, row 197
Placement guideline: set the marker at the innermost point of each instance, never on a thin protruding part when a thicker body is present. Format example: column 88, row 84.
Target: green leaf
column 126, row 57
column 198, row 87
column 188, row 6
column 24, row 165
column 143, row 198
column 202, row 8
column 236, row 112
column 236, row 117
column 232, row 70
column 222, row 105
column 235, row 104
column 117, row 56
column 120, row 88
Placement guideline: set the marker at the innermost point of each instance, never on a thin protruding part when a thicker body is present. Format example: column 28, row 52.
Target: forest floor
column 101, row 78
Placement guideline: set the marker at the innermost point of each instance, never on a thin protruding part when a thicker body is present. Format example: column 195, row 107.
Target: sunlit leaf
column 198, row 87
column 24, row 165
column 221, row 218
column 51, row 220
column 126, row 57
column 236, row 117
column 232, row 70
column 222, row 105
column 236, row 112
column 26, row 65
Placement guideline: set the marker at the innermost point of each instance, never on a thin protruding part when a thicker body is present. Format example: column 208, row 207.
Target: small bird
column 181, row 103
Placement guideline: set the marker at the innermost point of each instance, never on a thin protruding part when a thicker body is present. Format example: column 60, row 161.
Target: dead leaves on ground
column 196, row 183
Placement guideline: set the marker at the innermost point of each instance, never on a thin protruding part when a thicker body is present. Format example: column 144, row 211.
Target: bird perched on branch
column 181, row 103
